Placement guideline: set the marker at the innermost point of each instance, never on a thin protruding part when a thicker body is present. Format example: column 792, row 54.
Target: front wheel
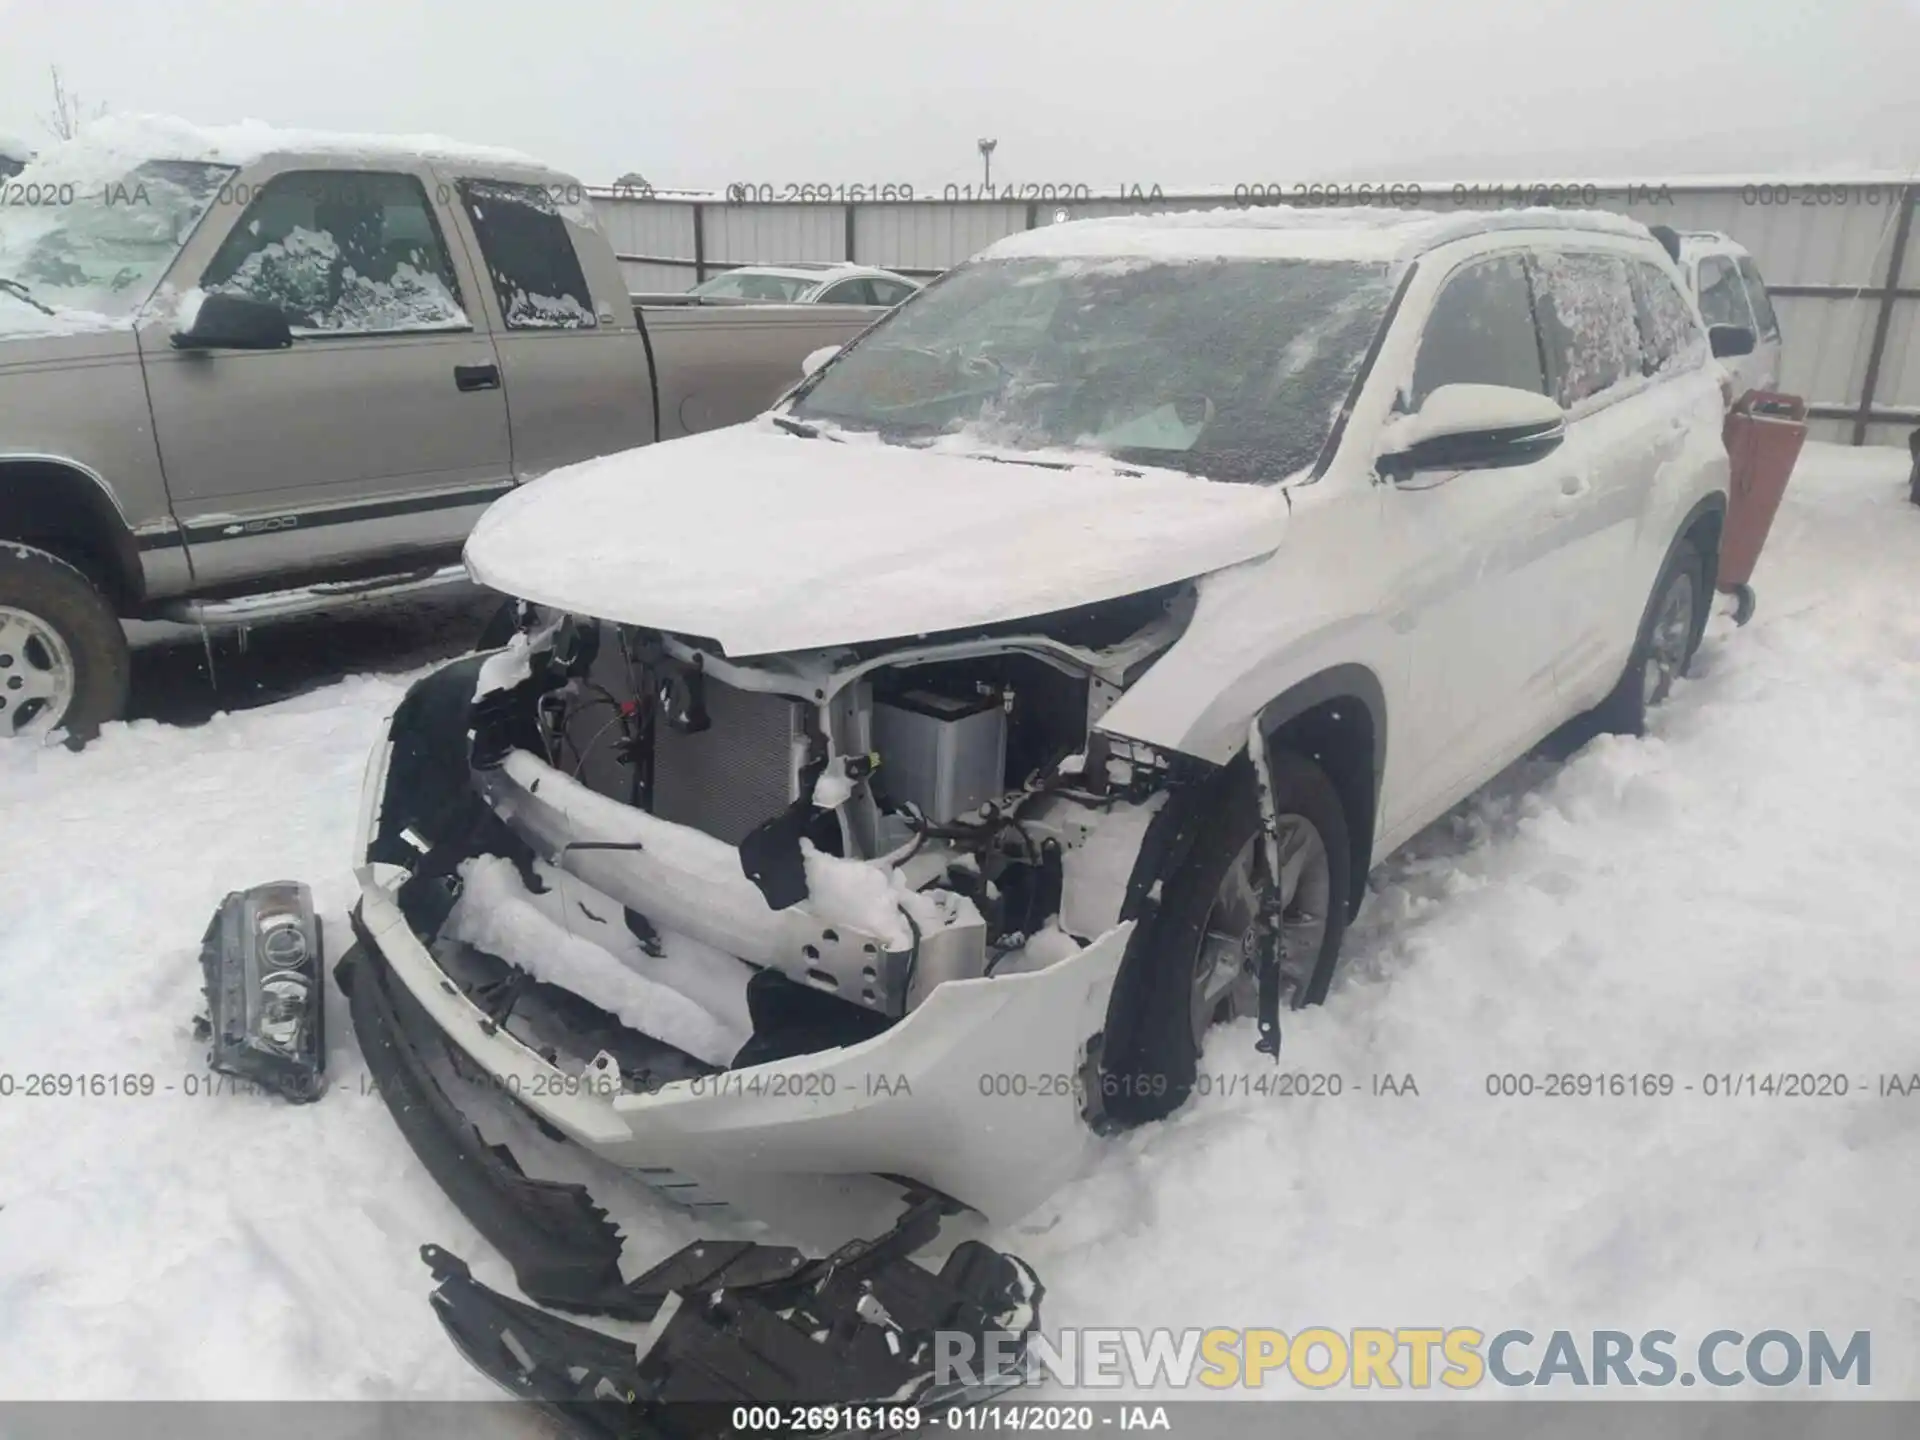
column 1669, row 631
column 1192, row 967
column 63, row 655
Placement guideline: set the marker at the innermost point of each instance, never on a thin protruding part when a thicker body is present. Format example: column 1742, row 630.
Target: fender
column 1311, row 713
column 1335, row 683
column 48, row 499
column 1170, row 834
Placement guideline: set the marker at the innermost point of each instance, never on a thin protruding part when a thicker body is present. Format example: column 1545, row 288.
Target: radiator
column 737, row 772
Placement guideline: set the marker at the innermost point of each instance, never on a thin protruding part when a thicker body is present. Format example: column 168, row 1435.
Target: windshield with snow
column 98, row 242
column 1231, row 369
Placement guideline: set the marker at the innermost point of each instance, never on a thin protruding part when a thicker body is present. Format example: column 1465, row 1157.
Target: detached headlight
column 261, row 959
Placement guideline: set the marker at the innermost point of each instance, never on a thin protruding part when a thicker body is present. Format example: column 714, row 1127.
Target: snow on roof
column 1704, row 242
column 1360, row 232
column 114, row 144
column 14, row 147
column 781, row 272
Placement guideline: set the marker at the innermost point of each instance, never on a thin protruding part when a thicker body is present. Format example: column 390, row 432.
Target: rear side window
column 1588, row 318
column 529, row 256
column 1757, row 296
column 1669, row 335
column 849, row 292
column 889, row 292
column 1481, row 332
column 1723, row 300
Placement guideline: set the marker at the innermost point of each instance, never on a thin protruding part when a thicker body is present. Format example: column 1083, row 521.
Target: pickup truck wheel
column 1192, row 968
column 63, row 655
column 1669, row 633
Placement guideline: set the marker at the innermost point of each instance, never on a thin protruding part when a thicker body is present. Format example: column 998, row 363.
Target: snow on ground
column 1734, row 893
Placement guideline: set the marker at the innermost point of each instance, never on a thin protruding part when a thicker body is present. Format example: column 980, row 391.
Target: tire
column 63, row 655
column 1153, row 1044
column 1662, row 640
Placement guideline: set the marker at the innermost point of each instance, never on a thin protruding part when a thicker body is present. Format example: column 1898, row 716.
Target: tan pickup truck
column 247, row 374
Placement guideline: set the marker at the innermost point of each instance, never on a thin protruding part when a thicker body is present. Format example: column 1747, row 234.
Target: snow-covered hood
column 765, row 541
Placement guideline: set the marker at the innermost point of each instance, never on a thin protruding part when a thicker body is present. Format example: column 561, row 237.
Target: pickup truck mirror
column 818, row 358
column 1472, row 427
column 235, row 322
column 1729, row 341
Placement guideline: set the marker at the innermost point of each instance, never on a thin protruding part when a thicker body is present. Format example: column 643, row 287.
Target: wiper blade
column 21, row 293
column 1002, row 457
column 802, row 429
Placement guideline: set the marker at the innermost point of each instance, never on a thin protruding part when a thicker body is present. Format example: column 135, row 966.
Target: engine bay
column 672, row 863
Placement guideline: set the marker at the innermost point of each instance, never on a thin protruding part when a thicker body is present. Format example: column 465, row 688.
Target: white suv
column 919, row 771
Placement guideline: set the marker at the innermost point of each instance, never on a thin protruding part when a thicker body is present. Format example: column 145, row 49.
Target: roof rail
column 1598, row 222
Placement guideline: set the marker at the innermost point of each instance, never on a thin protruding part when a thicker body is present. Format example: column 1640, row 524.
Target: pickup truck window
column 529, row 256
column 102, row 248
column 342, row 253
column 1231, row 369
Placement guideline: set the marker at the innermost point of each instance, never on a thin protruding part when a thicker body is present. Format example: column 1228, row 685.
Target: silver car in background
column 808, row 282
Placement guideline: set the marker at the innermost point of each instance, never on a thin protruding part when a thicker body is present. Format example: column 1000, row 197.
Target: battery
column 943, row 754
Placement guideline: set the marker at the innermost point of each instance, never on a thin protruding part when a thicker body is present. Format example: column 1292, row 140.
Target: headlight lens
column 261, row 961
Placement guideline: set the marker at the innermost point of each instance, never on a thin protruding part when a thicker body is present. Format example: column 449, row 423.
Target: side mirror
column 235, row 322
column 1729, row 341
column 1472, row 427
column 818, row 358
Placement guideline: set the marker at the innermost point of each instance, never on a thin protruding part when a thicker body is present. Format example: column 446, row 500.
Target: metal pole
column 699, row 242
column 1870, row 386
column 849, row 245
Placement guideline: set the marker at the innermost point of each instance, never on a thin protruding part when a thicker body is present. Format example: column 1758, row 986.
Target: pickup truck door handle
column 477, row 377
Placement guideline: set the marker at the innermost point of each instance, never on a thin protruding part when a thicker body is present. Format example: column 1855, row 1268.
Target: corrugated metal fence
column 1837, row 254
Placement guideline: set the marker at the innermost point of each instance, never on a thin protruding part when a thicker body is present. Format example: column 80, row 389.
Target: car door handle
column 476, row 377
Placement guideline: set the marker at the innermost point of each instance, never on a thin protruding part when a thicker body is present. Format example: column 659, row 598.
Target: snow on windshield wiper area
column 24, row 295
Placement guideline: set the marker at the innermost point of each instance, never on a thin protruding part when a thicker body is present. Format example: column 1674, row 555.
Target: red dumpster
column 1764, row 433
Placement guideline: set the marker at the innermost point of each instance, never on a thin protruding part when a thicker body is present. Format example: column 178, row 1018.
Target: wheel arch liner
column 1339, row 683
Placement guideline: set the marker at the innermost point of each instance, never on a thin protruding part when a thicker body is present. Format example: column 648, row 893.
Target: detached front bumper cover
column 733, row 1323
column 865, row 1326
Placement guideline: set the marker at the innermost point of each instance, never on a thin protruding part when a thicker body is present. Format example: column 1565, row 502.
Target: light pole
column 986, row 162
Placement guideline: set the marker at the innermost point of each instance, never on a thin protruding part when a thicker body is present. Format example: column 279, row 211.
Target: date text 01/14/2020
column 1721, row 1084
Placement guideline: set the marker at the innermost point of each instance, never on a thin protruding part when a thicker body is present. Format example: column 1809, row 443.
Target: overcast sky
column 702, row 93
